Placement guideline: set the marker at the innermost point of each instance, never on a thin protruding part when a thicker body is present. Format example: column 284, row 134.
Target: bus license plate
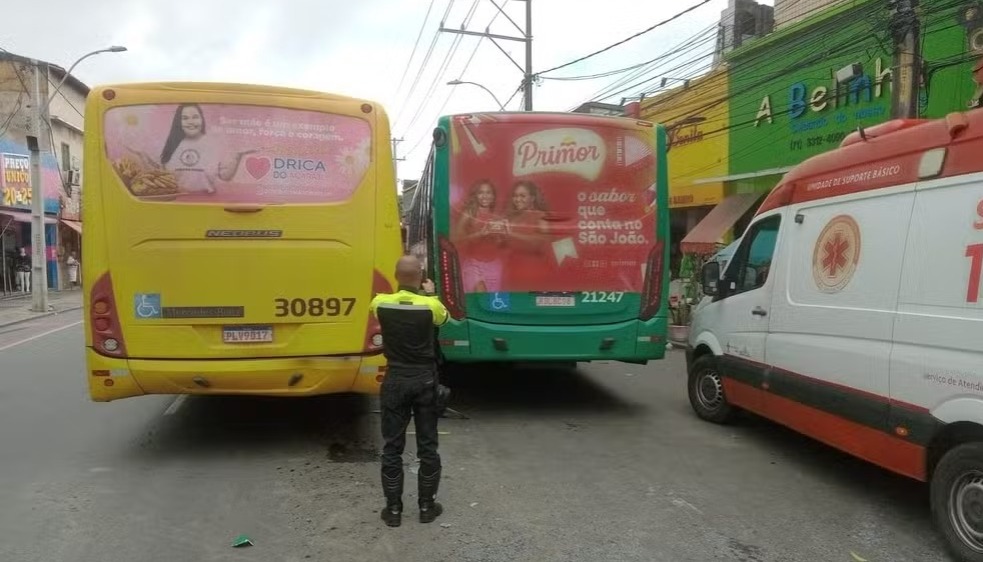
column 247, row 334
column 546, row 300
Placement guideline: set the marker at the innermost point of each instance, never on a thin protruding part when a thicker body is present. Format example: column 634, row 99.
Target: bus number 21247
column 601, row 296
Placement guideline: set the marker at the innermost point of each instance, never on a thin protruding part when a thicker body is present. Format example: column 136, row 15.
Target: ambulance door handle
column 758, row 311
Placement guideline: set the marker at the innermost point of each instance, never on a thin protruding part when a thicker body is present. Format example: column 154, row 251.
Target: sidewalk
column 14, row 310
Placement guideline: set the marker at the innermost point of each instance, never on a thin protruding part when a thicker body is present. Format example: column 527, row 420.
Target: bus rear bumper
column 112, row 379
column 631, row 341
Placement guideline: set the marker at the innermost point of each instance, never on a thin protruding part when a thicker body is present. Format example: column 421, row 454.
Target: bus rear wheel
column 957, row 501
column 706, row 391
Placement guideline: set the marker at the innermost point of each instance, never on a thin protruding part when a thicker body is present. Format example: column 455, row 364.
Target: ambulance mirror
column 710, row 278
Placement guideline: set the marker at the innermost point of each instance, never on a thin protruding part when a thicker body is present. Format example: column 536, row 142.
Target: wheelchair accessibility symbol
column 147, row 305
column 499, row 301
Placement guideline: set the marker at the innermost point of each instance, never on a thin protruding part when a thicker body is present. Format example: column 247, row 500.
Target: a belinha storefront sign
column 861, row 93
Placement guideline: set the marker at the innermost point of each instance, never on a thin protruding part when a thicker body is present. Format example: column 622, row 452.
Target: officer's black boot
column 392, row 487
column 429, row 509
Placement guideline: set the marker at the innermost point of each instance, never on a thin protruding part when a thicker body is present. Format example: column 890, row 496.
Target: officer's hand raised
column 428, row 287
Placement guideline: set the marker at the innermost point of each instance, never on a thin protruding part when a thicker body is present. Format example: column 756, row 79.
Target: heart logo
column 257, row 167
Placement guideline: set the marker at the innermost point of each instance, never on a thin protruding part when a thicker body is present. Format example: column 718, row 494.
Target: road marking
column 683, row 503
column 41, row 335
column 176, row 405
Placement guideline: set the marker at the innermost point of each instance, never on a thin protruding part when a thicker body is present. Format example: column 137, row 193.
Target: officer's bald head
column 409, row 272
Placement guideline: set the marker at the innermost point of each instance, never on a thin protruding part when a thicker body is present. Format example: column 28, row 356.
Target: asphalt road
column 604, row 464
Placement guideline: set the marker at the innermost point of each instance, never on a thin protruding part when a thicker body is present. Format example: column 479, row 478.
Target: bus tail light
column 652, row 294
column 107, row 333
column 450, row 279
column 373, row 331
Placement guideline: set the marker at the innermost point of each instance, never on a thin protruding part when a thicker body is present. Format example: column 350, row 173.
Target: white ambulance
column 852, row 311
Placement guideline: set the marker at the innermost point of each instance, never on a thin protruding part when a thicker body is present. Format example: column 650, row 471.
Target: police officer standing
column 408, row 319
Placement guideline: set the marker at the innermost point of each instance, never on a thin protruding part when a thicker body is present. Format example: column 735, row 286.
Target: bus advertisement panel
column 235, row 237
column 536, row 207
column 221, row 153
column 549, row 236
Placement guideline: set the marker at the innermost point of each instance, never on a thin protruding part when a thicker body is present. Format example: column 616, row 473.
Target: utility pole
column 396, row 142
column 39, row 277
column 528, row 77
column 396, row 160
column 906, row 78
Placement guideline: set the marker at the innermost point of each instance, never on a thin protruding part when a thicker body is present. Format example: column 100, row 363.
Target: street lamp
column 39, row 277
column 113, row 49
column 459, row 82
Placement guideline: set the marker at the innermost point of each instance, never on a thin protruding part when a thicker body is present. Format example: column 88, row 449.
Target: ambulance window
column 754, row 262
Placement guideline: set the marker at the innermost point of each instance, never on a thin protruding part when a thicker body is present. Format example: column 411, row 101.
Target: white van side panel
column 841, row 334
column 937, row 362
column 708, row 339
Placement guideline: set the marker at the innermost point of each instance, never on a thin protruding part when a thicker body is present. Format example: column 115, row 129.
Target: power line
column 751, row 123
column 442, row 70
column 515, row 93
column 764, row 78
column 625, row 69
column 423, row 65
column 688, row 45
column 18, row 105
column 415, row 45
column 809, row 45
column 623, row 41
column 450, row 93
column 610, row 93
column 607, row 92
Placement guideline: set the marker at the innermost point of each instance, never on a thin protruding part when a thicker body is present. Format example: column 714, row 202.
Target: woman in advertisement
column 193, row 159
column 528, row 239
column 479, row 233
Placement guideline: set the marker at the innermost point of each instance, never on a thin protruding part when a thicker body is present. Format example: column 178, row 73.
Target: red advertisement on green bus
column 547, row 236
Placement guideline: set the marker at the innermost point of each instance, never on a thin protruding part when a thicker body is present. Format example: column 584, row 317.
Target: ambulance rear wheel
column 957, row 501
column 706, row 391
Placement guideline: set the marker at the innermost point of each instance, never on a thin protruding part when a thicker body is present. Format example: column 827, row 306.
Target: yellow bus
column 235, row 235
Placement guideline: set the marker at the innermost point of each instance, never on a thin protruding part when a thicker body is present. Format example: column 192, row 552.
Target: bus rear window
column 217, row 153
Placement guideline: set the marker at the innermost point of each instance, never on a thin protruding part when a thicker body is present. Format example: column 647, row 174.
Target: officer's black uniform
column 408, row 320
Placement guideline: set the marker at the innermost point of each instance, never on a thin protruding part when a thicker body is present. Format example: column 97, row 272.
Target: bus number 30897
column 331, row 306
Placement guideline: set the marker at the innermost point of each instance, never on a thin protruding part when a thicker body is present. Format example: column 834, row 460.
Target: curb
column 41, row 315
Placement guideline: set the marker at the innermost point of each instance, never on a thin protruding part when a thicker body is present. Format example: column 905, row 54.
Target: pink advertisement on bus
column 216, row 153
column 546, row 204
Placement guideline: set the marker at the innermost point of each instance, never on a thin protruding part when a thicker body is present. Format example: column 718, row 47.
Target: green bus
column 547, row 236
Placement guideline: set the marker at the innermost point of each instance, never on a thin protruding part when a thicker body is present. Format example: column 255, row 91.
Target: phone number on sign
column 819, row 140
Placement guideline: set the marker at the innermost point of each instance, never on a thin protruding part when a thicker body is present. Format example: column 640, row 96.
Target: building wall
column 740, row 22
column 14, row 101
column 66, row 112
column 17, row 79
column 67, row 117
column 792, row 11
column 695, row 117
column 17, row 105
